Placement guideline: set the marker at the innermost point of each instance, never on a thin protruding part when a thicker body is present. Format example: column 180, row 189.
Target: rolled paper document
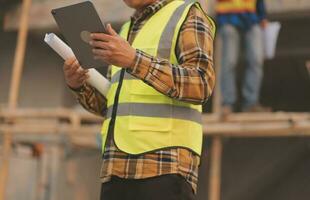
column 271, row 33
column 95, row 78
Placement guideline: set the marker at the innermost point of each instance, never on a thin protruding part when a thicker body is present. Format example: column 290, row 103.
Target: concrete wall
column 42, row 82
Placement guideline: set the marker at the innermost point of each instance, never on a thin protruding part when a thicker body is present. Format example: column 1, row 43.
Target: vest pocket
column 149, row 110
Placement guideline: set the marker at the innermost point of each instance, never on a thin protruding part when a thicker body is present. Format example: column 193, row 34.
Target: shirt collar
column 149, row 10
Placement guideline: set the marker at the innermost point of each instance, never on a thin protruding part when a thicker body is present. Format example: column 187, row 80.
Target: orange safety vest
column 235, row 6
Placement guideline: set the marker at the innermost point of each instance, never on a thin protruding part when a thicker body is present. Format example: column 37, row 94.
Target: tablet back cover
column 76, row 22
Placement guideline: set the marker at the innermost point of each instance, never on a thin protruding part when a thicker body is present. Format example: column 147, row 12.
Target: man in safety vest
column 241, row 20
column 161, row 73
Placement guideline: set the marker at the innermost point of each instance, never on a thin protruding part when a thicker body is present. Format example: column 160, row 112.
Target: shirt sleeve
column 193, row 79
column 92, row 100
column 261, row 9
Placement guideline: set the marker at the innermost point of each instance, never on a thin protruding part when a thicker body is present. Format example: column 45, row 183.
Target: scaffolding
column 18, row 124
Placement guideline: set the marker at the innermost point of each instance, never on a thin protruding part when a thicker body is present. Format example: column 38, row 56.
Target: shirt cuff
column 79, row 90
column 141, row 65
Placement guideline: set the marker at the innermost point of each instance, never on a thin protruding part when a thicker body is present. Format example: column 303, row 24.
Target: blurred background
column 56, row 165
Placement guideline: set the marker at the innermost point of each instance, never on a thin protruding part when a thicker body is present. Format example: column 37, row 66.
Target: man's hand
column 112, row 49
column 75, row 75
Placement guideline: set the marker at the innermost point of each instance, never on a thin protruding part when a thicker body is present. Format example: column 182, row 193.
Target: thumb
column 110, row 30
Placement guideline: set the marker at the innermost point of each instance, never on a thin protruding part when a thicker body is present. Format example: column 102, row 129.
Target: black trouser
column 166, row 187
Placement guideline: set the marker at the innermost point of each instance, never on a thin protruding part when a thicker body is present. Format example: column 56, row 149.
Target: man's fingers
column 103, row 55
column 101, row 36
column 73, row 68
column 80, row 71
column 83, row 78
column 85, row 71
column 70, row 61
column 102, row 52
column 99, row 44
column 111, row 31
column 76, row 76
column 70, row 66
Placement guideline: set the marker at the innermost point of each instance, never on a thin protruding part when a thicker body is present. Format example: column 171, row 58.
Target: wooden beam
column 14, row 91
column 217, row 96
column 55, row 129
column 286, row 128
column 207, row 118
column 265, row 129
column 41, row 18
column 56, row 113
column 238, row 125
column 215, row 169
column 258, row 117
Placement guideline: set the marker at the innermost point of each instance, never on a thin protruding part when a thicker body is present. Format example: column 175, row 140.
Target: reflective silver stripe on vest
column 156, row 110
column 165, row 43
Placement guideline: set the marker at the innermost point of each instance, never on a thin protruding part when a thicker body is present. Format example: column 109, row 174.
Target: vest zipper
column 115, row 103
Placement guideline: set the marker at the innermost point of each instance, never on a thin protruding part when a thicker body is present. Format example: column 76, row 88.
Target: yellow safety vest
column 235, row 6
column 140, row 118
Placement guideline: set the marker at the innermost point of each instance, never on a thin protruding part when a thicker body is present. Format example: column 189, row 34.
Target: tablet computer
column 76, row 22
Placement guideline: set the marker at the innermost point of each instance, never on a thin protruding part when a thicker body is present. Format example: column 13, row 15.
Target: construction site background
column 253, row 168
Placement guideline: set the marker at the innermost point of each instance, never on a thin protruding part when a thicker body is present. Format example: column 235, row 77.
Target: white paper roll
column 98, row 81
column 95, row 78
column 271, row 33
column 59, row 46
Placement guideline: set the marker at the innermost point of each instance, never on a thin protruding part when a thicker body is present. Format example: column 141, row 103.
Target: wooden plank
column 19, row 55
column 14, row 90
column 207, row 118
column 230, row 129
column 215, row 169
column 25, row 129
column 41, row 18
column 217, row 97
column 257, row 117
column 48, row 113
column 79, row 140
column 272, row 129
column 243, row 124
column 281, row 6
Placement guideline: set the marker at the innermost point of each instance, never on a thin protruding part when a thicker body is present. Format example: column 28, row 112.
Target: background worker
column 160, row 76
column 241, row 20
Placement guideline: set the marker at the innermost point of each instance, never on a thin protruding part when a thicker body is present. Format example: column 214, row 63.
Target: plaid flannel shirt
column 192, row 80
